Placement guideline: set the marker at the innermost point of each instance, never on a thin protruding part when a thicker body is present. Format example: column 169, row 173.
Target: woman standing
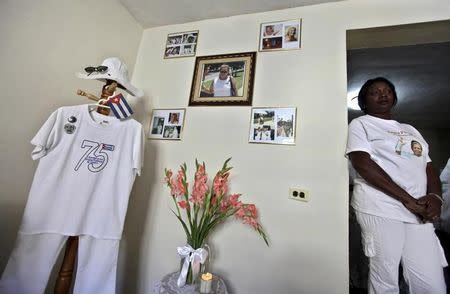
column 396, row 196
column 224, row 85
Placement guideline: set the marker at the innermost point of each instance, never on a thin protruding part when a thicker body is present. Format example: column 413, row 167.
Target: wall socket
column 299, row 194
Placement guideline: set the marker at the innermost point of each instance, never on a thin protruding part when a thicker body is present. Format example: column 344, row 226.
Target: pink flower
column 199, row 217
column 233, row 199
column 251, row 221
column 240, row 213
column 224, row 205
column 183, row 204
column 200, row 187
column 176, row 186
column 220, row 184
column 248, row 214
column 213, row 200
column 168, row 177
column 251, row 210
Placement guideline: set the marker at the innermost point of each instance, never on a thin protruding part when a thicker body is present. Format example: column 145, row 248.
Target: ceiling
column 416, row 58
column 166, row 12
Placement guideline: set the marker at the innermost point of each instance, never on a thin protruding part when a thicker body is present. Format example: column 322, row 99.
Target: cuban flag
column 119, row 106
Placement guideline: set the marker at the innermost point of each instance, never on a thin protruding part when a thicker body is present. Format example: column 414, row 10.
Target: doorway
column 416, row 58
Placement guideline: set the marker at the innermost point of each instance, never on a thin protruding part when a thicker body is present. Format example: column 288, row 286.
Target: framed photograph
column 274, row 125
column 181, row 44
column 225, row 79
column 167, row 124
column 281, row 35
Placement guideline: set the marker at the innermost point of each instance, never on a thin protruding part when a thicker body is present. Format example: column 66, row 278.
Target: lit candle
column 206, row 283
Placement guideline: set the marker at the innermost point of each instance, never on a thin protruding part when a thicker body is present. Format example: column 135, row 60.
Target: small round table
column 168, row 285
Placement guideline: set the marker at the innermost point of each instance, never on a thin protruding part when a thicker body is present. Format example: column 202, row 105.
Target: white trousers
column 33, row 257
column 387, row 243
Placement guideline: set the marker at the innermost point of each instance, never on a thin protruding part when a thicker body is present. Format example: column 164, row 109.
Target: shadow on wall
column 138, row 213
column 10, row 219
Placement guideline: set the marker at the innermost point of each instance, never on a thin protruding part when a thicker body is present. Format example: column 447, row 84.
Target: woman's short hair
column 415, row 143
column 362, row 95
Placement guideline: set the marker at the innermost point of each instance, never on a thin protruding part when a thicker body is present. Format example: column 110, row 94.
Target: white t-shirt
column 88, row 163
column 390, row 144
column 222, row 88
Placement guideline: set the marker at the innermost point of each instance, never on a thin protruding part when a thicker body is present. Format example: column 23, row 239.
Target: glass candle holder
column 206, row 283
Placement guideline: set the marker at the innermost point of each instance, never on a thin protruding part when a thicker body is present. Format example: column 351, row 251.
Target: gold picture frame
column 225, row 79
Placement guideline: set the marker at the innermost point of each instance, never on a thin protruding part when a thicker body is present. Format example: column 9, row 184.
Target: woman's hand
column 433, row 207
column 417, row 208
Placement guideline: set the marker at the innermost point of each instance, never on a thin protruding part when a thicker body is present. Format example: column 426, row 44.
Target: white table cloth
column 168, row 285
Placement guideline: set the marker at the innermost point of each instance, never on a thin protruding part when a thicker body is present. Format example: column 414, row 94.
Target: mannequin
column 107, row 91
column 65, row 274
column 74, row 199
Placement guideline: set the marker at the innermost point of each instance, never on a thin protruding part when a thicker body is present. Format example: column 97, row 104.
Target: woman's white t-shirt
column 222, row 88
column 390, row 144
column 88, row 163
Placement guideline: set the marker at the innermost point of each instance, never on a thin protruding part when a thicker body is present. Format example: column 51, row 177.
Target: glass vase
column 192, row 279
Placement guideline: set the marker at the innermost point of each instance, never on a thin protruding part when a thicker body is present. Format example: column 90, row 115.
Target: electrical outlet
column 299, row 194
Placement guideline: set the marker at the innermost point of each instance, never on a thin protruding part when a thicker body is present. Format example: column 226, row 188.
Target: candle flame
column 207, row 277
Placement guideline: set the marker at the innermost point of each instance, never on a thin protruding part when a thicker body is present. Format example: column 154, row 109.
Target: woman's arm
column 370, row 171
column 211, row 88
column 433, row 199
column 233, row 86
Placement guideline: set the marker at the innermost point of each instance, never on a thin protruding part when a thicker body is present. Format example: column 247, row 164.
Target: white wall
column 42, row 45
column 308, row 250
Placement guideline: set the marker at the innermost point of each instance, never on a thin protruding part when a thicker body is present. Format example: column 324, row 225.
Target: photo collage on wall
column 228, row 80
column 166, row 124
column 273, row 125
column 181, row 44
column 283, row 35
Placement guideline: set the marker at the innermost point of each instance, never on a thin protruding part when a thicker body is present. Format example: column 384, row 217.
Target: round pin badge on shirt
column 72, row 119
column 69, row 128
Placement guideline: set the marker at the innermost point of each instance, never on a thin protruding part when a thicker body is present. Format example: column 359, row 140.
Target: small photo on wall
column 181, row 44
column 282, row 35
column 166, row 124
column 273, row 125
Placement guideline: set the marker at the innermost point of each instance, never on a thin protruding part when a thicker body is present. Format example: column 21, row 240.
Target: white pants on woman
column 388, row 242
column 32, row 260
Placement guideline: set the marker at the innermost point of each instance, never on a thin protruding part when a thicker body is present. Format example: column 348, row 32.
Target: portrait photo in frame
column 281, row 35
column 225, row 79
column 167, row 124
column 273, row 125
column 182, row 44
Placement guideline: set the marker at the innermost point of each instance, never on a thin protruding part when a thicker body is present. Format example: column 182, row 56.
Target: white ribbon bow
column 194, row 257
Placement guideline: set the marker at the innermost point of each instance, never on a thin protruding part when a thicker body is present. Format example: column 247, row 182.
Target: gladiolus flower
column 251, row 221
column 200, row 187
column 240, row 213
column 176, row 186
column 233, row 199
column 224, row 205
column 168, row 177
column 197, row 216
column 220, row 184
column 251, row 210
column 183, row 204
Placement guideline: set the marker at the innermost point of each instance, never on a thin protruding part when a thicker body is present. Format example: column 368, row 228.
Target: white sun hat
column 112, row 69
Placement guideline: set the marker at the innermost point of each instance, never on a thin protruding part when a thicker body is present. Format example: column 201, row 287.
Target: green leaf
column 186, row 230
